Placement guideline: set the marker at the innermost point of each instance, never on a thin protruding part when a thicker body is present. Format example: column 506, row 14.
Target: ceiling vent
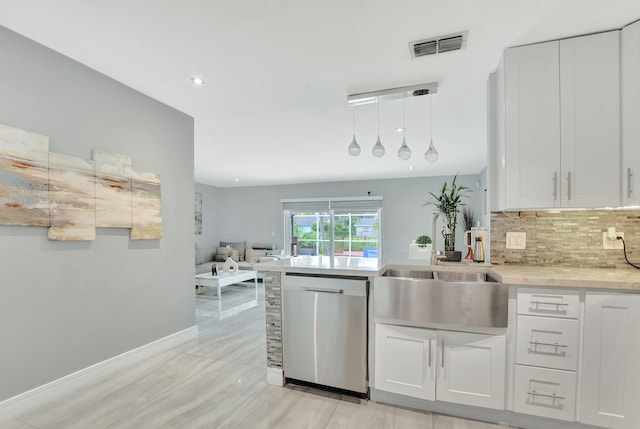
column 438, row 45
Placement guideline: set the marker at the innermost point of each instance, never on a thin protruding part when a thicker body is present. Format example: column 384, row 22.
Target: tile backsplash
column 565, row 238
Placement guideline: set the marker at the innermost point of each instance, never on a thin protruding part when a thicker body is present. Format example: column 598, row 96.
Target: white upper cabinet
column 532, row 128
column 590, row 125
column 562, row 123
column 630, row 59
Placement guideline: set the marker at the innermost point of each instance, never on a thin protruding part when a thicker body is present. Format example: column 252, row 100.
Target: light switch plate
column 516, row 240
column 612, row 244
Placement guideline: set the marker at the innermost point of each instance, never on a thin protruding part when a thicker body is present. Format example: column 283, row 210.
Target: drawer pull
column 538, row 343
column 555, row 400
column 544, row 395
column 539, row 306
column 556, row 349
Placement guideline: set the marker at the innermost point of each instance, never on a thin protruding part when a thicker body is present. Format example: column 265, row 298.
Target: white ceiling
column 278, row 72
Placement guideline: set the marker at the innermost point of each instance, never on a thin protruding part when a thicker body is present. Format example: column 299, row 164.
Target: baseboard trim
column 33, row 398
column 275, row 376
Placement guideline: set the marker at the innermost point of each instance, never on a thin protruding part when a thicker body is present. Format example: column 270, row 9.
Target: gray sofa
column 246, row 258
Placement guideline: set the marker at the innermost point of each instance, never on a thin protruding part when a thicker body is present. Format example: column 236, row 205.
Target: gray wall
column 67, row 305
column 254, row 214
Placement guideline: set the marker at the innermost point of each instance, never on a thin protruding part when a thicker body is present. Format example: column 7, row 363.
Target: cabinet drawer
column 548, row 302
column 548, row 342
column 545, row 392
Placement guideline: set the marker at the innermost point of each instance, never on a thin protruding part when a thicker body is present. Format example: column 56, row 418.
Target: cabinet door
column 405, row 361
column 630, row 60
column 532, row 128
column 471, row 369
column 590, row 127
column 610, row 370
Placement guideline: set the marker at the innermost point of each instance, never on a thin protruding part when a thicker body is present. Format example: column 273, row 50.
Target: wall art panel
column 24, row 158
column 71, row 198
column 146, row 208
column 113, row 189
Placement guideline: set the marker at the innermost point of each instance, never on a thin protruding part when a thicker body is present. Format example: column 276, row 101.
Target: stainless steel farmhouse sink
column 462, row 300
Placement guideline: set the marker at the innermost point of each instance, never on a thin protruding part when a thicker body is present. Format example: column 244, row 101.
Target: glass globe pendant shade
column 354, row 147
column 432, row 154
column 378, row 149
column 404, row 153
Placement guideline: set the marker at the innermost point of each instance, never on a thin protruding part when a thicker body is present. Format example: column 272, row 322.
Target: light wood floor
column 218, row 381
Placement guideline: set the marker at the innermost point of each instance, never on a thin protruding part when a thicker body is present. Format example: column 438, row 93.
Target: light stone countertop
column 591, row 278
column 594, row 278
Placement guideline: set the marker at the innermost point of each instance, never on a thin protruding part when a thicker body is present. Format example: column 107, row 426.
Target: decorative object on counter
column 214, row 270
column 448, row 203
column 478, row 250
column 468, row 220
column 431, row 155
column 420, row 248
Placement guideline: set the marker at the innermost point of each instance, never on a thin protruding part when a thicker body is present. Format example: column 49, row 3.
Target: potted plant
column 420, row 248
column 423, row 240
column 448, row 202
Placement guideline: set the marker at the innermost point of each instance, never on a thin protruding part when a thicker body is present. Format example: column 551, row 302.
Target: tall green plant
column 448, row 202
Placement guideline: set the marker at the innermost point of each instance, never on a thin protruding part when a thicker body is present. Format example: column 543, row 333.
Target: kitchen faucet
column 434, row 252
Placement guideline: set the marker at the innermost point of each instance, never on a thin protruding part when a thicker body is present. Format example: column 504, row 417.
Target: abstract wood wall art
column 72, row 201
column 24, row 177
column 198, row 213
column 73, row 196
column 145, row 206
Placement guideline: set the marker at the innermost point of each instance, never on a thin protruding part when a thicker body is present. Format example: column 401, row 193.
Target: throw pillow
column 239, row 246
column 235, row 255
column 220, row 258
column 222, row 251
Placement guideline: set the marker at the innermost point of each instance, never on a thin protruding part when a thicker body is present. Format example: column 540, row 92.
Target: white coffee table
column 223, row 279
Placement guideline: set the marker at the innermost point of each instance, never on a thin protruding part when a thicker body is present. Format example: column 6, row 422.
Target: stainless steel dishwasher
column 325, row 330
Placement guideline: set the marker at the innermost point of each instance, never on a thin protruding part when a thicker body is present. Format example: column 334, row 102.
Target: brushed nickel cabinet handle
column 442, row 354
column 629, row 182
column 569, row 186
column 544, row 395
column 555, row 186
column 430, row 341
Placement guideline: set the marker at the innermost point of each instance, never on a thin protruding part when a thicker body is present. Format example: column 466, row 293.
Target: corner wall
column 67, row 305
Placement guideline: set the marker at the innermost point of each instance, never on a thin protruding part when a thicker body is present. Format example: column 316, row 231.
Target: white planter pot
column 419, row 253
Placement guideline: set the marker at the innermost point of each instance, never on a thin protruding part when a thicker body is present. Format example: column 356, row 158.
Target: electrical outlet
column 516, row 240
column 612, row 244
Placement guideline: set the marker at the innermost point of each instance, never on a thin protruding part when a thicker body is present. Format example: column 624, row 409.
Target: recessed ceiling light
column 197, row 80
column 411, row 167
column 400, row 129
column 237, row 179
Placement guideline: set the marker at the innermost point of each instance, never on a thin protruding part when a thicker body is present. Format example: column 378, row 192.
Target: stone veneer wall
column 565, row 238
column 273, row 302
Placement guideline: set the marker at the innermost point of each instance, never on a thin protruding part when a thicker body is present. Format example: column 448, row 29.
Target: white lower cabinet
column 610, row 395
column 545, row 392
column 405, row 361
column 548, row 342
column 458, row 367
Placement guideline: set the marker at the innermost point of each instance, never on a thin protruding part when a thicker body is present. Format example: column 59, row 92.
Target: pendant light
column 404, row 153
column 378, row 149
column 354, row 147
column 432, row 154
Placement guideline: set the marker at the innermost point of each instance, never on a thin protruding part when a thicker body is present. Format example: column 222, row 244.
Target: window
column 334, row 227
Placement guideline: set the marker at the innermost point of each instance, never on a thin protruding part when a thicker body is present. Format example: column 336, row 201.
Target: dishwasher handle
column 313, row 289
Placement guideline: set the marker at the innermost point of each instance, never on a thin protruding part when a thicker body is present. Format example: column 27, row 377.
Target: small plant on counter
column 468, row 219
column 423, row 240
column 448, row 202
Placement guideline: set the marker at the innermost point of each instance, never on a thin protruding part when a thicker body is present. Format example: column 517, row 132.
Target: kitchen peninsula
column 565, row 327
